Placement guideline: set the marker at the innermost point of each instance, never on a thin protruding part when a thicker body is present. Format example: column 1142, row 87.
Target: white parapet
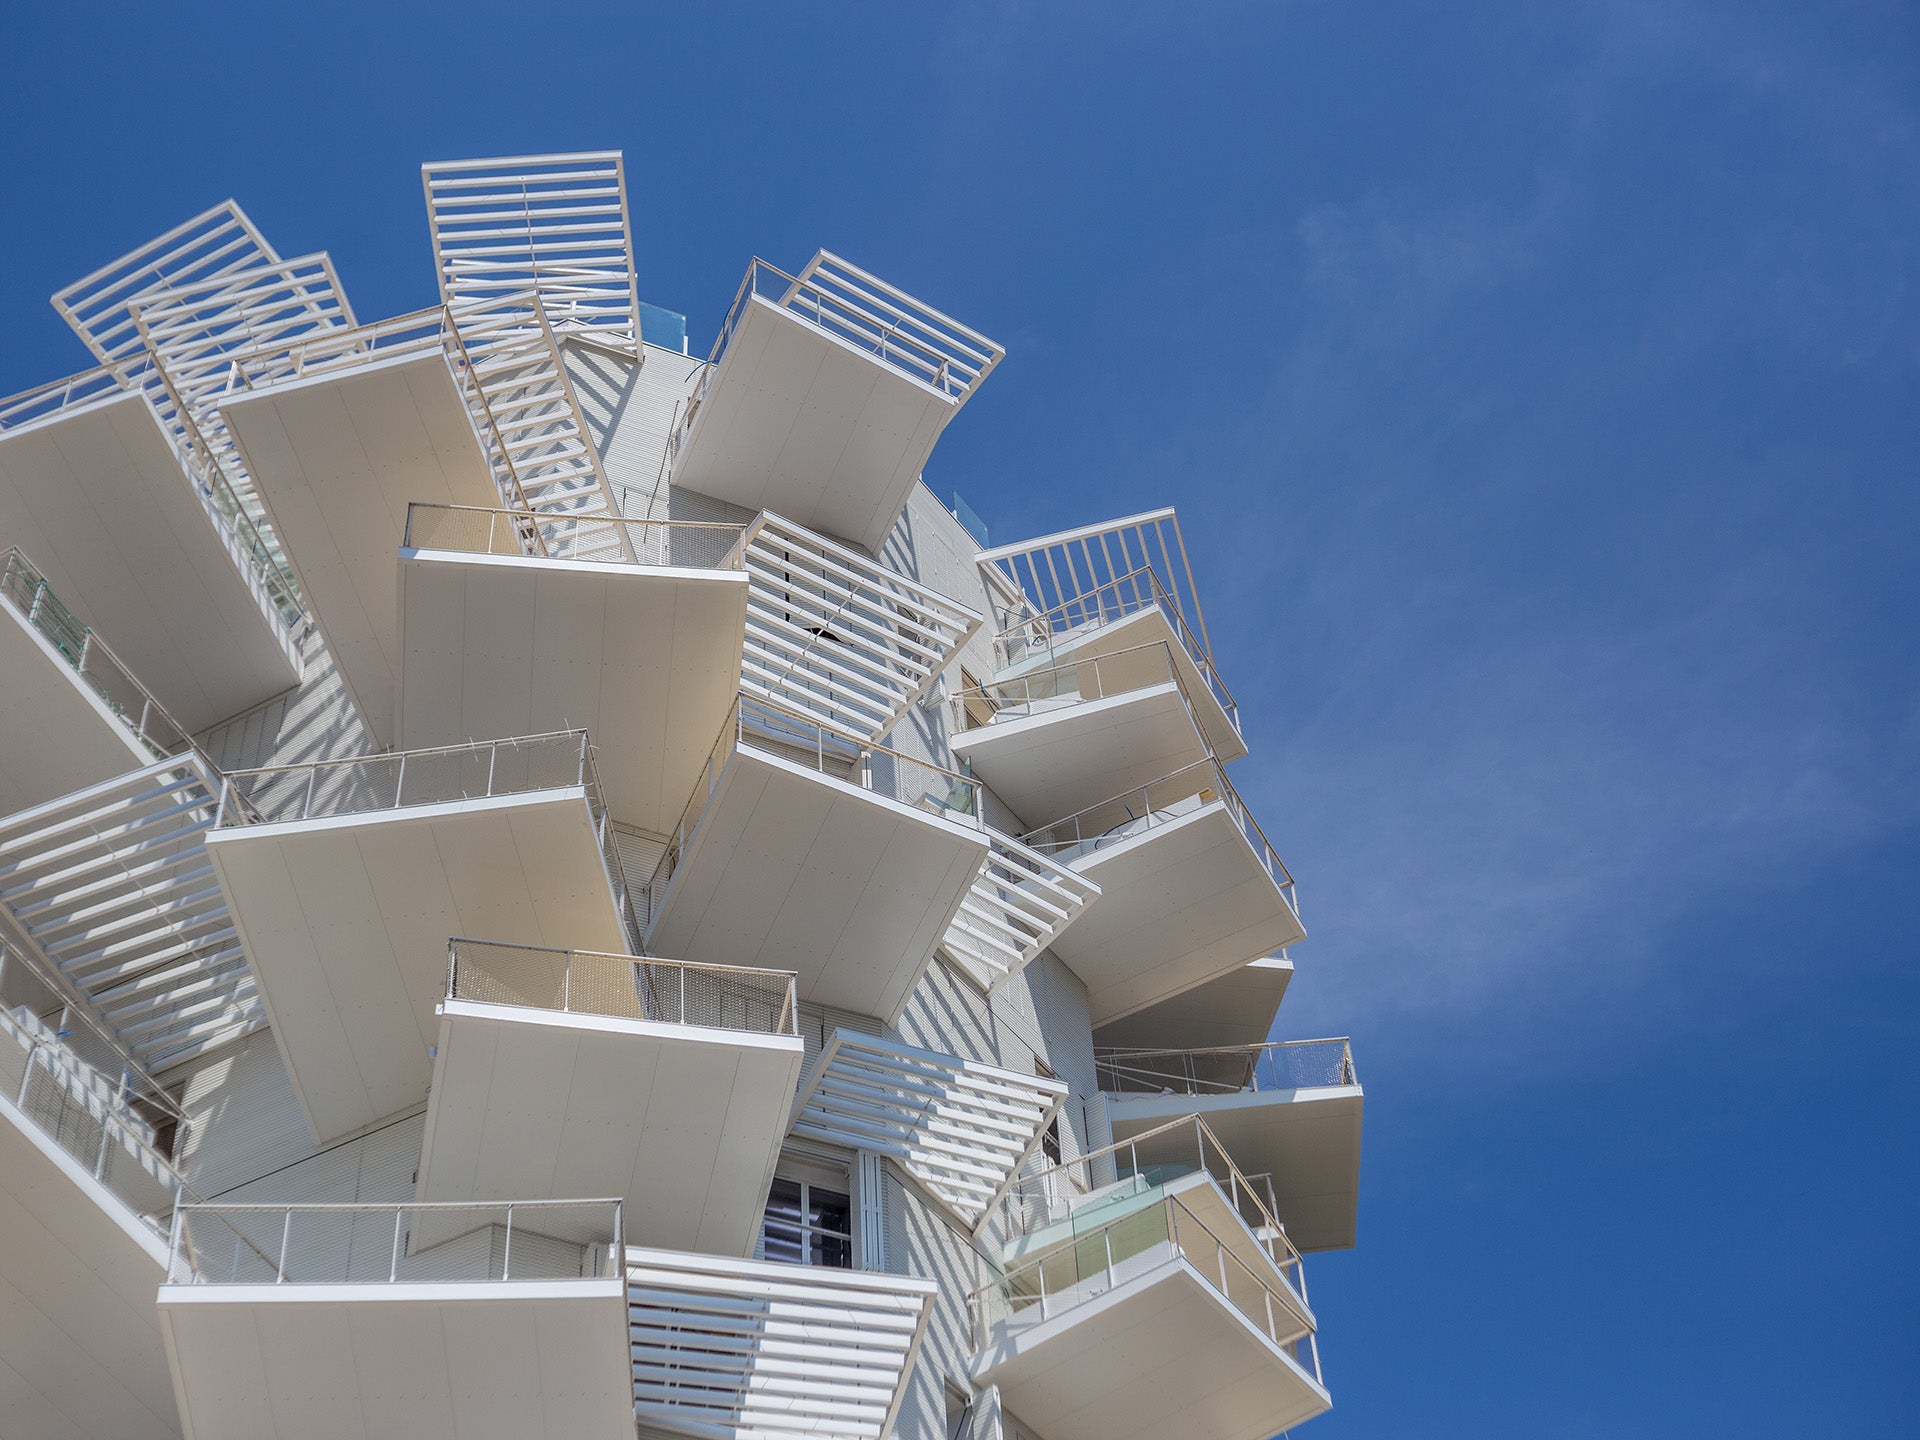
column 823, row 397
column 838, row 637
column 958, row 1127
column 752, row 1350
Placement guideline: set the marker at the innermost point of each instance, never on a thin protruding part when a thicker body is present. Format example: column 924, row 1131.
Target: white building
column 548, row 887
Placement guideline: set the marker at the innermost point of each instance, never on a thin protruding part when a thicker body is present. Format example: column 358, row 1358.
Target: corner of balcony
column 346, row 877
column 807, row 850
column 823, row 397
column 514, row 1326
column 567, row 1073
column 1291, row 1111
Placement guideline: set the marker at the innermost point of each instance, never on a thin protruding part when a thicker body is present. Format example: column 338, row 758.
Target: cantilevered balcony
column 802, row 850
column 1291, row 1110
column 336, row 1321
column 1166, row 1300
column 339, row 436
column 100, row 494
column 1064, row 729
column 752, row 1350
column 1236, row 1008
column 959, row 1128
column 346, row 878
column 1190, row 890
column 86, row 1193
column 70, row 712
column 564, row 1073
column 512, row 622
column 823, row 397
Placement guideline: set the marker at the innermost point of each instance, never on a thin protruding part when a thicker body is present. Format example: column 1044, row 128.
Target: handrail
column 584, row 982
column 1090, row 826
column 56, row 396
column 261, row 1257
column 532, row 534
column 1065, row 679
column 1026, row 1285
column 1130, row 594
column 758, row 724
column 1226, row 1069
column 29, row 594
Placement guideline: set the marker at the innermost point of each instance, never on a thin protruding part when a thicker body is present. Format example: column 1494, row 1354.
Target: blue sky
column 1538, row 388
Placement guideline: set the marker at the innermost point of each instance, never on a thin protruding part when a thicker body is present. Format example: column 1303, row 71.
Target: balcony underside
column 80, row 1345
column 1054, row 758
column 347, row 919
column 97, row 497
column 791, row 870
column 336, row 458
column 1182, row 901
column 1151, row 627
column 1308, row 1140
column 803, row 423
column 1236, row 1008
column 1159, row 1354
column 646, row 659
column 498, row 1360
column 683, row 1121
column 56, row 735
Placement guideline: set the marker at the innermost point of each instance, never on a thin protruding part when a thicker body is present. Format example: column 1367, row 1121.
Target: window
column 808, row 1222
column 1050, row 1141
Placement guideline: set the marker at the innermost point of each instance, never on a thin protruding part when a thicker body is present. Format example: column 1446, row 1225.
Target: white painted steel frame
column 958, row 1128
column 1019, row 904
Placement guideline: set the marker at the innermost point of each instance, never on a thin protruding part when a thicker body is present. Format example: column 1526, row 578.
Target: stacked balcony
column 1191, row 889
column 73, row 714
column 1291, row 1110
column 346, row 878
column 514, row 622
column 1149, row 1297
column 1236, row 1008
column 562, row 1073
column 823, row 397
column 100, row 493
column 352, row 1321
column 805, row 850
column 752, row 1350
column 87, row 1189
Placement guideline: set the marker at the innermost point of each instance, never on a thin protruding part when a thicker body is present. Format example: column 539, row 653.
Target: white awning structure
column 749, row 1348
column 958, row 1127
column 1019, row 904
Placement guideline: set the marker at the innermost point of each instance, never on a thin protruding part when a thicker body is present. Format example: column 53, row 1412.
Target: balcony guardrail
column 440, row 775
column 476, row 530
column 27, row 590
column 1160, row 802
column 1064, row 680
column 580, row 982
column 56, row 396
column 349, row 1244
column 1023, row 633
column 1227, row 1069
column 1102, row 1259
column 865, row 766
column 1077, row 1189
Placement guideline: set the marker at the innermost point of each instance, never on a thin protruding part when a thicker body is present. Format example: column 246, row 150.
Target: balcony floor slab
column 99, row 500
column 1236, row 1008
column 346, row 921
column 59, row 735
column 336, row 458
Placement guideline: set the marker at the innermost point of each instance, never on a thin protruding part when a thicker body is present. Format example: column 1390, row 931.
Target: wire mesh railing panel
column 691, row 545
column 1279, row 1065
column 57, row 396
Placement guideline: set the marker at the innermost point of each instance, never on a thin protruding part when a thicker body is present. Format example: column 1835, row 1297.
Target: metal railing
column 1098, row 1260
column 476, row 530
column 27, row 590
column 1065, row 679
column 1227, row 1069
column 760, row 726
column 1023, row 633
column 401, row 779
column 1078, row 1189
column 56, row 396
column 347, row 1244
column 1159, row 802
column 580, row 982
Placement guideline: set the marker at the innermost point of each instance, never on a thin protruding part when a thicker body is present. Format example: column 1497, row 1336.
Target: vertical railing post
column 26, row 1075
column 506, row 1250
column 400, row 783
column 286, row 1230
column 393, row 1267
column 100, row 1159
column 566, row 982
column 306, row 809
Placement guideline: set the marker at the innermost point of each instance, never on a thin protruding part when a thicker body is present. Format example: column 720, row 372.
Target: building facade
column 548, row 886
